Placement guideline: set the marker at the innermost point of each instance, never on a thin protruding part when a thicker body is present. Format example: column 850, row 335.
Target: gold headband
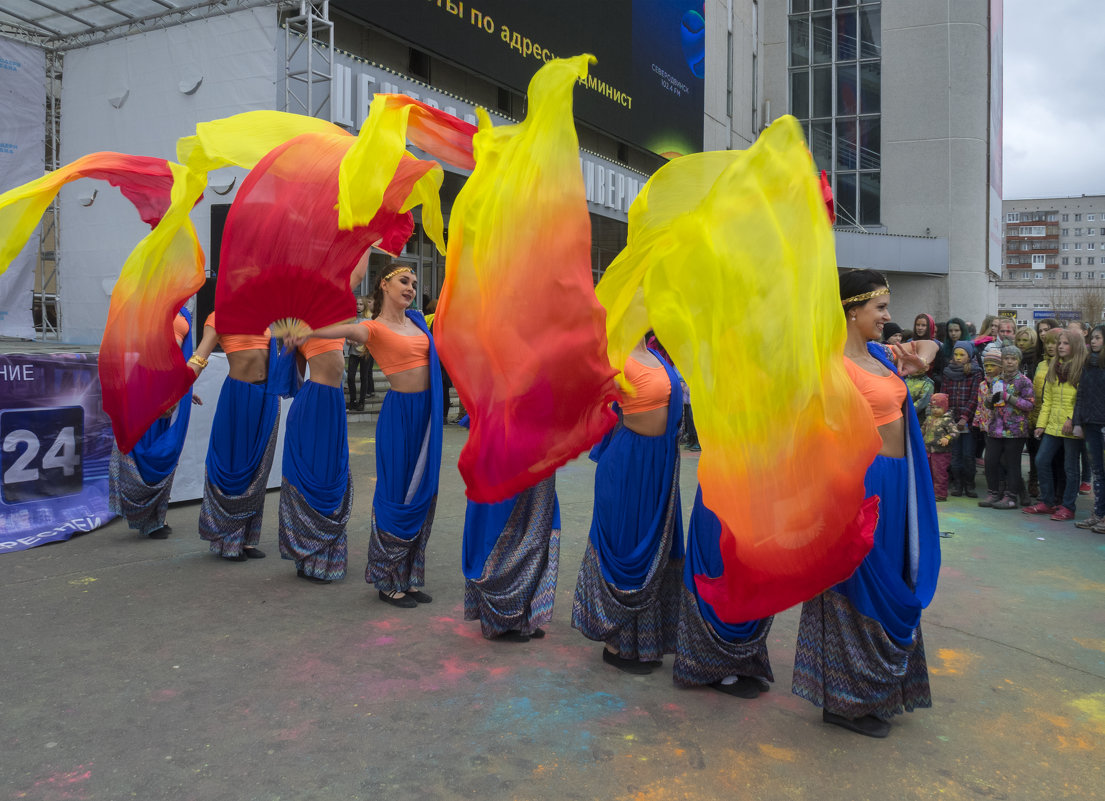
column 396, row 271
column 874, row 293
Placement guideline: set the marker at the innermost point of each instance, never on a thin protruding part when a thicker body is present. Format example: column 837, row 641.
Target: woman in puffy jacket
column 1055, row 428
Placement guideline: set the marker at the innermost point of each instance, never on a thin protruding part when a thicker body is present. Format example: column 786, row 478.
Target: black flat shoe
column 403, row 602
column 419, row 596
column 160, row 533
column 743, row 687
column 512, row 636
column 253, row 553
column 239, row 558
column 537, row 634
column 868, row 725
column 312, row 579
column 627, row 665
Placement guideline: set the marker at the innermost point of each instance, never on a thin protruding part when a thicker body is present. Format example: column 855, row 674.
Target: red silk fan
column 283, row 255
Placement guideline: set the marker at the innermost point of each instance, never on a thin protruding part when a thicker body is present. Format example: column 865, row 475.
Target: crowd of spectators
column 999, row 392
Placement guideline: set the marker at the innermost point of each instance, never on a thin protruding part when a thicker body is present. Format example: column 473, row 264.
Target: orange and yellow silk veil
column 517, row 325
column 719, row 244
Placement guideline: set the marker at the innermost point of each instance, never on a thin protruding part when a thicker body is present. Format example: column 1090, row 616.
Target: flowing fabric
column 144, row 181
column 283, row 254
column 715, row 238
column 142, row 371
column 704, row 535
column 380, row 153
column 511, row 555
column 156, row 454
column 520, row 331
column 408, row 452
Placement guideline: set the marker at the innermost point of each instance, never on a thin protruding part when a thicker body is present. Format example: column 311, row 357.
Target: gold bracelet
column 198, row 360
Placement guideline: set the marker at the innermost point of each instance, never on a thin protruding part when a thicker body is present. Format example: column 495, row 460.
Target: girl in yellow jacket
column 1056, row 431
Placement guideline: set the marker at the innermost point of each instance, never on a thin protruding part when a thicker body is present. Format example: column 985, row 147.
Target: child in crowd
column 1009, row 399
column 960, row 384
column 920, row 392
column 939, row 430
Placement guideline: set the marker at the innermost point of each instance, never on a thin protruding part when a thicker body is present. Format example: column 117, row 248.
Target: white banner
column 22, row 159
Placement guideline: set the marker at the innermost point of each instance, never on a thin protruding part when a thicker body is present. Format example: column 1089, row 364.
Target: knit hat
column 889, row 330
column 939, row 401
column 1012, row 350
column 966, row 347
column 991, row 354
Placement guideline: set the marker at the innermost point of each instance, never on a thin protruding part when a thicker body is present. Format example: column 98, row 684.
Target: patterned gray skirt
column 517, row 588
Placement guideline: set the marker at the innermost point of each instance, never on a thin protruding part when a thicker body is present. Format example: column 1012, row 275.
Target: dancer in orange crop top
column 646, row 413
column 246, row 356
column 869, row 625
column 408, row 462
column 629, row 576
column 884, row 392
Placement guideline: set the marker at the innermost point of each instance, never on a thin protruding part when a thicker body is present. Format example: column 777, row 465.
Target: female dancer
column 860, row 654
column 140, row 482
column 316, row 493
column 510, row 556
column 408, row 438
column 730, row 657
column 627, row 594
column 243, row 439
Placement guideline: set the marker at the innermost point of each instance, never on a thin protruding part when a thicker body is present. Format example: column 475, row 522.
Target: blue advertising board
column 55, row 446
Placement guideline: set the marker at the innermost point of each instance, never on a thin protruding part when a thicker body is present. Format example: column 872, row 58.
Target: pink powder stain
column 444, row 619
column 498, row 672
column 950, row 573
column 471, row 632
column 296, row 732
column 61, row 783
column 383, row 641
column 165, row 695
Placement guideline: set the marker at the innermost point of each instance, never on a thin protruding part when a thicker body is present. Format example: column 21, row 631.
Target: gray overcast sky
column 1054, row 137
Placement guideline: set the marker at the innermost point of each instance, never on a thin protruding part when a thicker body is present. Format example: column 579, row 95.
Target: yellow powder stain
column 680, row 752
column 1072, row 582
column 1055, row 720
column 778, row 754
column 1093, row 707
column 1093, row 645
column 952, row 662
column 82, row 581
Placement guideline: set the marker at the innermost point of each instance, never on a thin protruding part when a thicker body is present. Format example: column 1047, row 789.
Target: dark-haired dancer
column 243, row 440
column 627, row 593
column 408, row 438
column 860, row 655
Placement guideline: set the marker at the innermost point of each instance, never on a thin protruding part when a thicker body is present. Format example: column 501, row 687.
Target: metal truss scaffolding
column 309, row 60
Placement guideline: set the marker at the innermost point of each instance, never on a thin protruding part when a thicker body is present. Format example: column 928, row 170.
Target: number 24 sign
column 41, row 453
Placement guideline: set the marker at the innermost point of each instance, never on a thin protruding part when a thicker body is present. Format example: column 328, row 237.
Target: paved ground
column 151, row 670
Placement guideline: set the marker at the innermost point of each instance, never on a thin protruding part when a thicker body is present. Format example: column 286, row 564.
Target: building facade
column 1053, row 259
column 896, row 98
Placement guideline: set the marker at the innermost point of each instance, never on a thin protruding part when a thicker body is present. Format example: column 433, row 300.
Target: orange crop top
column 396, row 352
column 180, row 328
column 232, row 343
column 652, row 385
column 885, row 394
column 316, row 346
